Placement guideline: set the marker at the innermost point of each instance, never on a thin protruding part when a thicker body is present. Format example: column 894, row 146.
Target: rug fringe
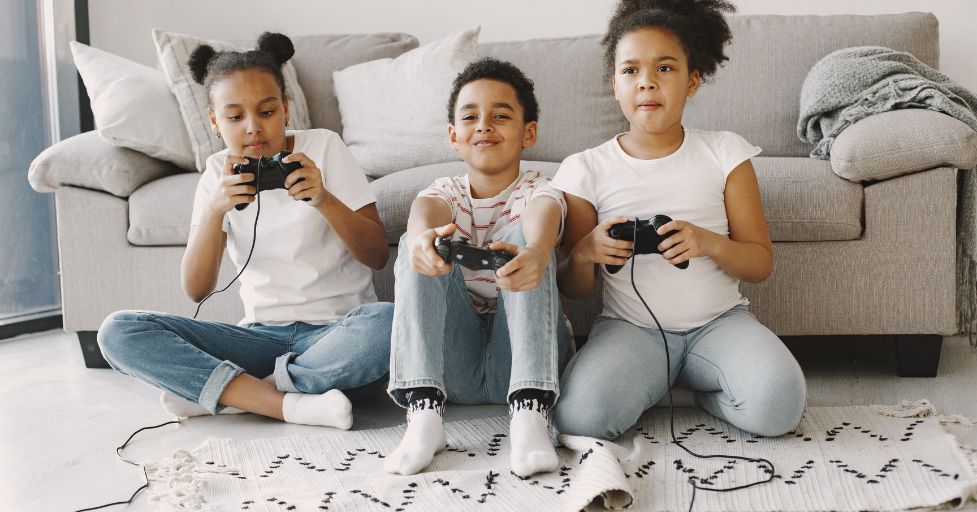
column 907, row 409
column 970, row 455
column 183, row 490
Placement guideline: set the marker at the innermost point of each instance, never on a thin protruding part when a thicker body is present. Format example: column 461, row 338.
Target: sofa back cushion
column 577, row 109
column 757, row 92
column 316, row 57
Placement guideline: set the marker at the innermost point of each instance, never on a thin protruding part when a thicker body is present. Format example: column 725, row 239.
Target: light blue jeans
column 740, row 370
column 440, row 341
column 196, row 360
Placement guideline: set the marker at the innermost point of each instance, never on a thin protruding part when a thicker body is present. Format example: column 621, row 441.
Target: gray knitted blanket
column 853, row 83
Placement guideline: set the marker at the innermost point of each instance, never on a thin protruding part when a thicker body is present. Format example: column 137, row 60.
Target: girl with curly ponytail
column 676, row 316
column 313, row 332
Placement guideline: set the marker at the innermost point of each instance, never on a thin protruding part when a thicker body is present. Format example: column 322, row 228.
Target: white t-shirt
column 485, row 221
column 300, row 269
column 686, row 185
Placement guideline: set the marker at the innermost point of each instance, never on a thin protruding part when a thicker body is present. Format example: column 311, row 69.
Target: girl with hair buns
column 698, row 332
column 313, row 332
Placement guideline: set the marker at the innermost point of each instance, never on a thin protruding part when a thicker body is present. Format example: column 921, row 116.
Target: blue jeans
column 440, row 341
column 195, row 360
column 740, row 370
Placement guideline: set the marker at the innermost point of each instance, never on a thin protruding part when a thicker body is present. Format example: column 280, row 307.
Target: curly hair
column 272, row 51
column 501, row 71
column 700, row 26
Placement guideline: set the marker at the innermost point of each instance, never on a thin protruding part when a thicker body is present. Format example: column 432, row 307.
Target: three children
column 313, row 332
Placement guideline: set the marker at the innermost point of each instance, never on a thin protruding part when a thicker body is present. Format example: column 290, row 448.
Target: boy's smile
column 490, row 131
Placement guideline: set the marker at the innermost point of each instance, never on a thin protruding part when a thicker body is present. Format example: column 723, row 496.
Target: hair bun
column 279, row 46
column 199, row 60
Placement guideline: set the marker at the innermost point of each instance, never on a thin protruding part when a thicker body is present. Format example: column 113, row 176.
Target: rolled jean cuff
column 214, row 387
column 283, row 381
column 398, row 398
column 551, row 386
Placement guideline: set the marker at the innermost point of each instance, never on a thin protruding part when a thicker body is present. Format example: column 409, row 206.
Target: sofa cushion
column 159, row 213
column 757, row 92
column 88, row 161
column 317, row 57
column 393, row 110
column 804, row 201
column 894, row 143
column 395, row 192
column 133, row 106
column 174, row 51
column 577, row 109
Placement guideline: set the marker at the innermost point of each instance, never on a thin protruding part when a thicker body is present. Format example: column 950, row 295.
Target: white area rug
column 840, row 458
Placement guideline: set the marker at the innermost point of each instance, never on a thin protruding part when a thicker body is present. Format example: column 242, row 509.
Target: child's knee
column 115, row 335
column 589, row 418
column 779, row 406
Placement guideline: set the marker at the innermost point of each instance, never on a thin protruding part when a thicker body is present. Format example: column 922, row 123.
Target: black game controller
column 644, row 234
column 474, row 258
column 270, row 172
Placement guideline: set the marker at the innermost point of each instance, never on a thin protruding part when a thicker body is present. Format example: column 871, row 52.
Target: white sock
column 532, row 451
column 422, row 441
column 181, row 408
column 330, row 409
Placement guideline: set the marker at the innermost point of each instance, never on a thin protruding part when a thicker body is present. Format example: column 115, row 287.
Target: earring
column 286, row 123
column 217, row 133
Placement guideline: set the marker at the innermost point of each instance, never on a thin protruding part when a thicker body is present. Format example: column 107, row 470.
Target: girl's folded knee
column 584, row 422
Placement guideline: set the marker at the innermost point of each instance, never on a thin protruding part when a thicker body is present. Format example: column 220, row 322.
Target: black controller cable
column 118, row 450
column 254, row 237
column 671, row 406
column 118, row 453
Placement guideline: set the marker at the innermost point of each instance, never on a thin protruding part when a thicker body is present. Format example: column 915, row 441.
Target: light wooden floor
column 61, row 422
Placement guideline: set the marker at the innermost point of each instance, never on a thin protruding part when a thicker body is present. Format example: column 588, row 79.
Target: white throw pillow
column 133, row 106
column 174, row 51
column 394, row 110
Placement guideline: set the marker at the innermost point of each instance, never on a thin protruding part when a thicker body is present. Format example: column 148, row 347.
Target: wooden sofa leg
column 918, row 355
column 90, row 351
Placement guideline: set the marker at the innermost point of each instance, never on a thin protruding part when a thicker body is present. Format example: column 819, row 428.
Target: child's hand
column 305, row 183
column 525, row 271
column 424, row 259
column 599, row 247
column 230, row 190
column 689, row 241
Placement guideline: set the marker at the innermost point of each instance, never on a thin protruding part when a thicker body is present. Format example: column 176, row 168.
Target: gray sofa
column 853, row 256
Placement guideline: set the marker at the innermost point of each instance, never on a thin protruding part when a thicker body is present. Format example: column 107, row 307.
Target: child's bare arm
column 429, row 218
column 585, row 245
column 541, row 229
column 202, row 259
column 361, row 231
column 205, row 249
column 747, row 254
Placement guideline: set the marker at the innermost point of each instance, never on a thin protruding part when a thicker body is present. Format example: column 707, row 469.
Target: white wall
column 123, row 26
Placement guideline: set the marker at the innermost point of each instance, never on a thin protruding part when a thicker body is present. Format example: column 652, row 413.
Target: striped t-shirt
column 484, row 221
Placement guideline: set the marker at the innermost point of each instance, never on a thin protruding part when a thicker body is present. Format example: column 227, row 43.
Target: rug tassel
column 182, row 491
column 907, row 409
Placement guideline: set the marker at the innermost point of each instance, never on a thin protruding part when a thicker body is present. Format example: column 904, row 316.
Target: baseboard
column 38, row 324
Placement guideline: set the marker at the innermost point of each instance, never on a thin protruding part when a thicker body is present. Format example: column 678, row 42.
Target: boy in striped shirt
column 483, row 336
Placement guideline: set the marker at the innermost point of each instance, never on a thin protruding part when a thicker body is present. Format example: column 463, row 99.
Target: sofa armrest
column 87, row 161
column 898, row 142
